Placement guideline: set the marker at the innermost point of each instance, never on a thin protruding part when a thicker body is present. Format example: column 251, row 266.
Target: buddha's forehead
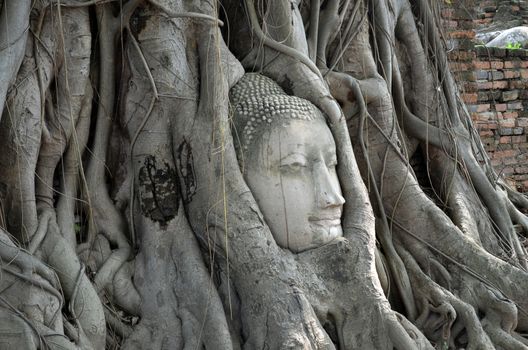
column 295, row 136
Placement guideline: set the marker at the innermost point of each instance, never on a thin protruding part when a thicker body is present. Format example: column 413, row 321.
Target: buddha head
column 288, row 158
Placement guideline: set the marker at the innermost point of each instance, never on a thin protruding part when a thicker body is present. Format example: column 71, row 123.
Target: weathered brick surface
column 493, row 82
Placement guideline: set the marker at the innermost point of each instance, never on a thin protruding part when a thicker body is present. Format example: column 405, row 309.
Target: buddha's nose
column 328, row 190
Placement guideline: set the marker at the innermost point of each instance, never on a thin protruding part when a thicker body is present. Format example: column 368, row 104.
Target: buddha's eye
column 293, row 167
column 293, row 163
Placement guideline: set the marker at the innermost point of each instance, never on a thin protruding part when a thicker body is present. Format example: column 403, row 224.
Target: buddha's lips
column 326, row 220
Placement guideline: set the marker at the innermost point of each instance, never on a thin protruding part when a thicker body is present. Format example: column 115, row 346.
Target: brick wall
column 501, row 13
column 494, row 84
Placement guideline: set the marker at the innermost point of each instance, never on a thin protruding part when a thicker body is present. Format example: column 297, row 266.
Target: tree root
column 26, row 262
column 104, row 217
column 14, row 24
column 115, row 279
column 437, row 299
column 77, row 288
column 72, row 170
column 72, row 82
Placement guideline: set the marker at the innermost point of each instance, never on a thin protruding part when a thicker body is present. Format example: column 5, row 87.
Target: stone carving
column 288, row 158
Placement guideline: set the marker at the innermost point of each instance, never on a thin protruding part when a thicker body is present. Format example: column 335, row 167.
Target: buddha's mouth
column 328, row 221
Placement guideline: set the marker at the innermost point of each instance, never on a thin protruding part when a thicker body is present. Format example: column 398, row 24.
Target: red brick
column 504, row 154
column 515, row 105
column 500, row 107
column 481, row 65
column 449, row 24
column 522, row 122
column 470, row 86
column 519, row 139
column 447, row 12
column 497, row 64
column 459, row 66
column 509, row 161
column 501, row 84
column 511, row 74
column 511, row 64
column 484, row 116
column 505, row 139
column 484, row 85
column 510, row 115
column 483, row 107
column 466, row 55
column 481, row 22
column 470, row 98
column 518, row 84
column 461, row 34
column 507, row 123
column 496, row 161
column 492, row 125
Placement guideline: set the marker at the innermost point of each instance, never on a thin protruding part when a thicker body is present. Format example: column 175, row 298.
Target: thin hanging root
column 428, row 289
column 72, row 166
column 96, row 168
column 155, row 97
column 328, row 28
column 104, row 217
column 383, row 43
column 312, row 36
column 444, row 75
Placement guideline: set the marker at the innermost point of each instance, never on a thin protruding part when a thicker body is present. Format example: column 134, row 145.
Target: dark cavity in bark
column 159, row 191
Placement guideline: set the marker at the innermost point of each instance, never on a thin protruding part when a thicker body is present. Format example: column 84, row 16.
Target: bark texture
column 125, row 221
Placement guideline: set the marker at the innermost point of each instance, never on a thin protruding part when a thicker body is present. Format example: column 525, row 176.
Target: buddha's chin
column 326, row 230
column 333, row 232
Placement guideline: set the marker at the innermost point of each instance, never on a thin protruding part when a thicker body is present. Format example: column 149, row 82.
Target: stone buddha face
column 288, row 157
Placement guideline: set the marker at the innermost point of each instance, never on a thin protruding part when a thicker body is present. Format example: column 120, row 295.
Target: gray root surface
column 125, row 221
